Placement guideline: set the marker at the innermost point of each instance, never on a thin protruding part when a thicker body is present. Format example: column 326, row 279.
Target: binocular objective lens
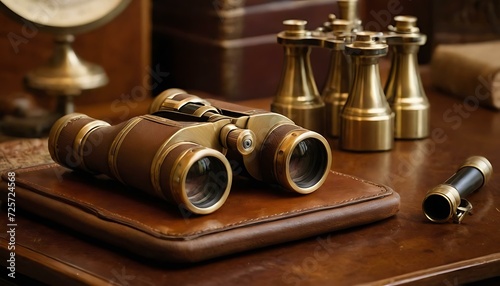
column 206, row 182
column 200, row 178
column 308, row 162
column 298, row 159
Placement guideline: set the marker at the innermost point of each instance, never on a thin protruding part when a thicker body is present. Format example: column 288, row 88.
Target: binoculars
column 186, row 149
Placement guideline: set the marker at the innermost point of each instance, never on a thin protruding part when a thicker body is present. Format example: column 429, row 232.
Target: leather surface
column 252, row 217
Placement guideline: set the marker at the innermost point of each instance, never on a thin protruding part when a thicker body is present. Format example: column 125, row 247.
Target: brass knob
column 295, row 27
column 405, row 24
column 241, row 140
column 348, row 10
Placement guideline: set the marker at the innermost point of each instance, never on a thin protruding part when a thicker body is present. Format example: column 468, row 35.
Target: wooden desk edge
column 457, row 273
column 47, row 269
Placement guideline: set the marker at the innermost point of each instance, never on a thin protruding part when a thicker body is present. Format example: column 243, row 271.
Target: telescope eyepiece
column 440, row 203
column 447, row 201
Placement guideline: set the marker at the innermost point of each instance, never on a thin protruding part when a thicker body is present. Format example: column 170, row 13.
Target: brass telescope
column 447, row 201
column 182, row 152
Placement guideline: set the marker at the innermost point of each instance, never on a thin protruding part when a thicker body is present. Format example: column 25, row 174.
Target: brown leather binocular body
column 141, row 151
column 179, row 152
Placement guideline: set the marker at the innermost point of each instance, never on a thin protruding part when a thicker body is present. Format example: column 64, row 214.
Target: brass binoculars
column 186, row 149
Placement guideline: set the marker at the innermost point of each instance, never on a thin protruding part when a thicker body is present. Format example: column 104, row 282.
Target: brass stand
column 64, row 76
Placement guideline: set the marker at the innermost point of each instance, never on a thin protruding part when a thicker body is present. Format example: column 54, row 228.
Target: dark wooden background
column 122, row 47
column 222, row 47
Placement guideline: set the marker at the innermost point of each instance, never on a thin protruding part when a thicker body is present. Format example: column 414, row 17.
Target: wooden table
column 403, row 249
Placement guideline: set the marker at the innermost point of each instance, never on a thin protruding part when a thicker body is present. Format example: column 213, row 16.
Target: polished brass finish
column 447, row 201
column 235, row 138
column 482, row 164
column 231, row 136
column 81, row 138
column 164, row 101
column 298, row 96
column 404, row 89
column 179, row 152
column 328, row 25
column 179, row 177
column 339, row 78
column 285, row 173
column 192, row 173
column 161, row 99
column 55, row 133
column 348, row 10
column 66, row 75
column 268, row 145
column 367, row 122
column 115, row 147
column 180, row 174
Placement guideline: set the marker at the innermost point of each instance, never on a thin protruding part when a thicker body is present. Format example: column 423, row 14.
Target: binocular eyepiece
column 447, row 201
column 186, row 150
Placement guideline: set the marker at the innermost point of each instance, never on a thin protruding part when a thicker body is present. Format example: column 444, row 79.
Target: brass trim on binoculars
column 182, row 152
column 447, row 201
column 263, row 129
column 238, row 139
column 115, row 147
column 128, row 153
column 82, row 137
column 301, row 180
column 56, row 130
column 179, row 179
column 162, row 100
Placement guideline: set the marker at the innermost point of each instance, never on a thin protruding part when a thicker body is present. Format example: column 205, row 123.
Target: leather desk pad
column 253, row 216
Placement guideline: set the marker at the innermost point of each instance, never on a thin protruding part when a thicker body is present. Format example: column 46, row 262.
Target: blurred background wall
column 223, row 47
